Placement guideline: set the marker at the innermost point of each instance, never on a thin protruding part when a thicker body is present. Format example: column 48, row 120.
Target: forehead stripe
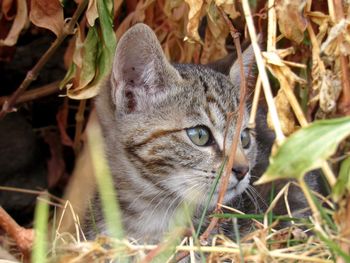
column 153, row 136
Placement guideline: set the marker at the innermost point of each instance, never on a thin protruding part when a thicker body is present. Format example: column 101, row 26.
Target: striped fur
column 144, row 109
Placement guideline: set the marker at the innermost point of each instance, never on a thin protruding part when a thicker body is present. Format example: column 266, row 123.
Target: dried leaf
column 91, row 12
column 194, row 16
column 331, row 45
column 6, row 7
column 287, row 79
column 323, row 21
column 291, row 20
column 330, row 88
column 285, row 114
column 230, row 9
column 68, row 55
column 215, row 37
column 47, row 14
column 98, row 53
column 78, row 48
column 222, row 2
column 279, row 67
column 326, row 82
column 18, row 24
column 62, row 120
column 137, row 16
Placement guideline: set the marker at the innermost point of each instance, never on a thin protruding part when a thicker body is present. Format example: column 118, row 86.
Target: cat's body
column 166, row 131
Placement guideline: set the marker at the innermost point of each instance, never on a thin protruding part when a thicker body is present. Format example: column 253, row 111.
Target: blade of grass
column 40, row 225
column 272, row 196
column 236, row 231
column 334, row 246
column 92, row 217
column 323, row 212
column 258, row 217
column 212, row 190
column 104, row 181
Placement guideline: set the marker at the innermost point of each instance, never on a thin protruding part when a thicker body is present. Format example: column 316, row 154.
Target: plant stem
column 34, row 94
column 255, row 103
column 22, row 236
column 263, row 74
column 32, row 74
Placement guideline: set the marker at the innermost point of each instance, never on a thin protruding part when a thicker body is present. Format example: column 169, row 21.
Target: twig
column 255, row 104
column 23, row 237
column 34, row 94
column 316, row 50
column 79, row 118
column 272, row 26
column 59, row 201
column 278, row 253
column 331, row 10
column 344, row 105
column 235, row 141
column 32, row 74
column 262, row 71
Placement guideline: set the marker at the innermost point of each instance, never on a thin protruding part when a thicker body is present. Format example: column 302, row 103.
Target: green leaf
column 69, row 76
column 109, row 41
column 343, row 183
column 99, row 48
column 90, row 55
column 306, row 149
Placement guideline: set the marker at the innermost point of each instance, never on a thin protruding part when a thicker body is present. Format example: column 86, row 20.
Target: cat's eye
column 200, row 135
column 245, row 138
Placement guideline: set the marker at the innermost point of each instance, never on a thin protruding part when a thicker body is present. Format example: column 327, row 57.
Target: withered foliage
column 307, row 51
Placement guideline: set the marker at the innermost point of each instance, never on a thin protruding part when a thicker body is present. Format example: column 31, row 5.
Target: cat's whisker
column 182, row 199
column 257, row 195
column 189, row 197
column 253, row 200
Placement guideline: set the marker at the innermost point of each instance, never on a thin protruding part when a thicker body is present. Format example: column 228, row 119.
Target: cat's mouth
column 235, row 187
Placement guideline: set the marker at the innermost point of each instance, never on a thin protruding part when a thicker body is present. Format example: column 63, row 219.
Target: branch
column 235, row 141
column 34, row 94
column 344, row 105
column 32, row 74
column 22, row 236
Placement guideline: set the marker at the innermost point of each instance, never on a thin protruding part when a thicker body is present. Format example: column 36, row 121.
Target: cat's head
column 171, row 123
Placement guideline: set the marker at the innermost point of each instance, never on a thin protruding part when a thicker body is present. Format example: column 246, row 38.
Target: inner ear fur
column 140, row 61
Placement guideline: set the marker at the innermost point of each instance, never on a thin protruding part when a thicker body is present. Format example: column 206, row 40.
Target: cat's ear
column 248, row 59
column 140, row 67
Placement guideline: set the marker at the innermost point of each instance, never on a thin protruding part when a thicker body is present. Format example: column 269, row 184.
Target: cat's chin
column 233, row 191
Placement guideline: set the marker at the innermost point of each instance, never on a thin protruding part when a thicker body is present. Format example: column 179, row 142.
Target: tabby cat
column 167, row 133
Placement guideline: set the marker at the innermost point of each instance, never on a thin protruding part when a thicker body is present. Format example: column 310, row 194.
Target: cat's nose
column 240, row 171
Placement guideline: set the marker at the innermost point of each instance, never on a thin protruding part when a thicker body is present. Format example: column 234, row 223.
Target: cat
column 166, row 126
column 167, row 133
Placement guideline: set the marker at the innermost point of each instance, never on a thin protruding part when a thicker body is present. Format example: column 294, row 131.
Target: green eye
column 200, row 135
column 245, row 139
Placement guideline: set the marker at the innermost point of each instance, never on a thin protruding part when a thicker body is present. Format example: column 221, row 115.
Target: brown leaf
column 91, row 12
column 68, row 55
column 6, row 8
column 18, row 24
column 291, row 20
column 194, row 16
column 47, row 14
column 215, row 38
column 285, row 114
column 62, row 119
